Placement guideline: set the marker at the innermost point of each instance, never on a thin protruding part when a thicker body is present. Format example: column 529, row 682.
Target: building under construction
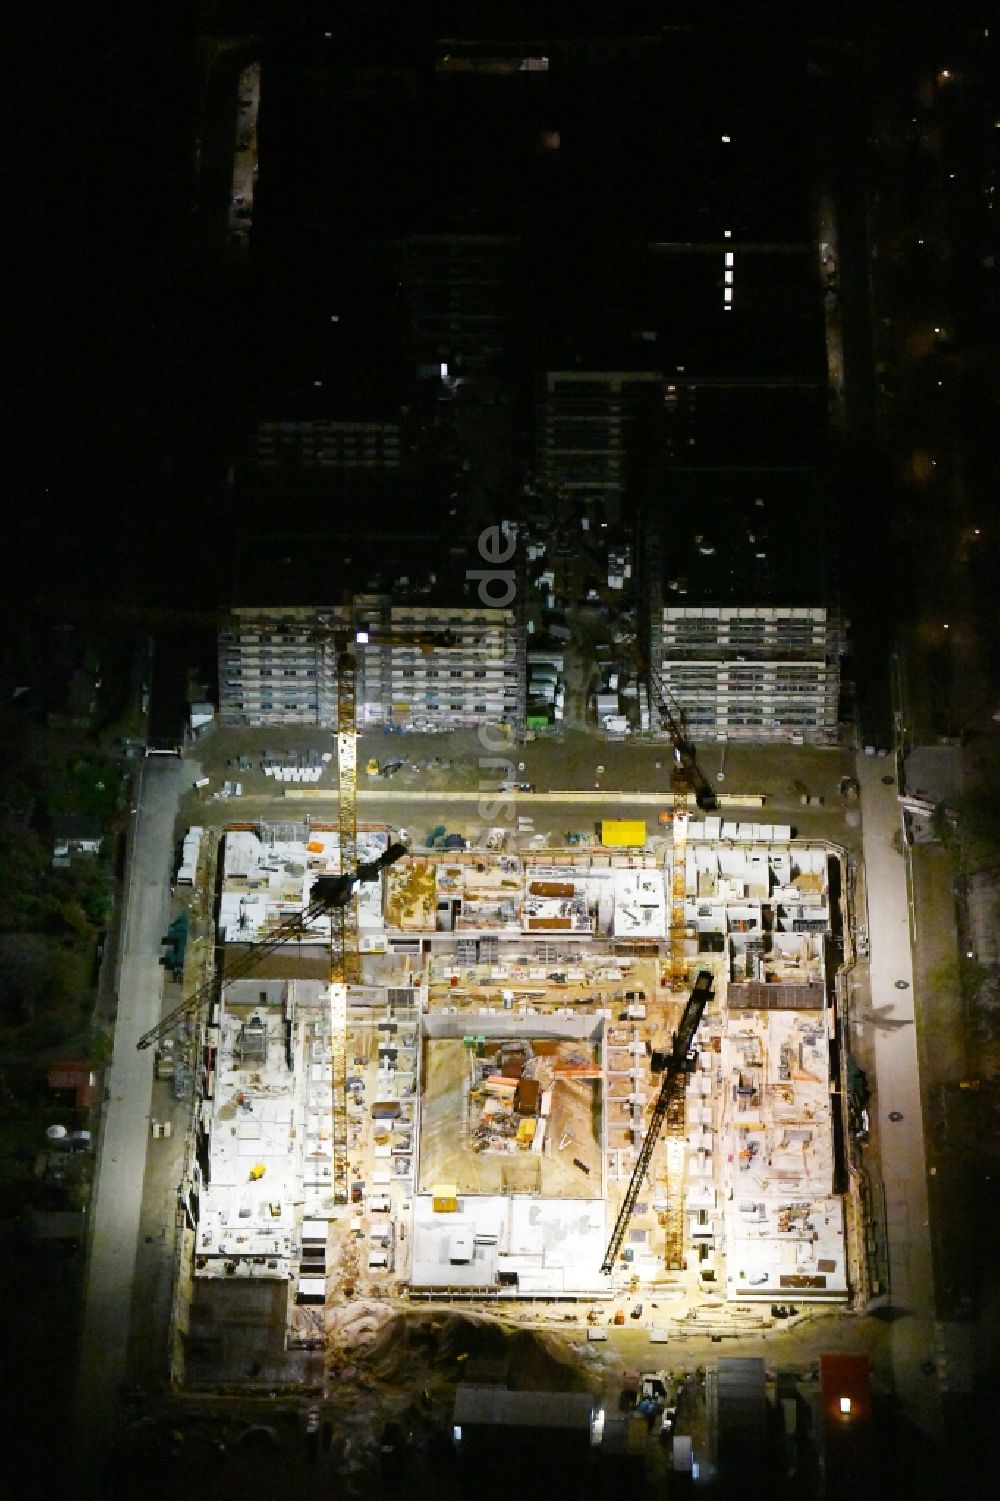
column 504, row 1050
column 419, row 666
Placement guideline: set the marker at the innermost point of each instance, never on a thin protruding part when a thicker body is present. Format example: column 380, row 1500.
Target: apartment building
column 595, row 431
column 291, row 460
column 754, row 672
column 422, row 666
column 462, row 294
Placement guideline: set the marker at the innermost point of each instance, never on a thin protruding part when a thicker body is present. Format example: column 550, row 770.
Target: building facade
column 761, row 673
column 594, row 431
column 462, row 294
column 422, row 666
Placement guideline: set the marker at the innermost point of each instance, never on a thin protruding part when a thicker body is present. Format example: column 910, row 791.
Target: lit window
column 727, row 294
column 729, row 278
column 729, row 257
column 845, row 1405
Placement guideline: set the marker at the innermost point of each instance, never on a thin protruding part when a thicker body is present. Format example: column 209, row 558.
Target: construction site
column 528, row 1105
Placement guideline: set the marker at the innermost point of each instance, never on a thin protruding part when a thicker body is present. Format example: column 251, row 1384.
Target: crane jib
column 671, row 1094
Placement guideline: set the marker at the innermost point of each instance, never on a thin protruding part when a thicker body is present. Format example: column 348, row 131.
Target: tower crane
column 669, row 1108
column 341, row 635
column 338, row 632
column 345, row 952
column 329, row 894
column 686, row 778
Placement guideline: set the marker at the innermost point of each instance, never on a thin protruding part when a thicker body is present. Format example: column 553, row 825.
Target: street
column 897, row 1093
column 125, row 1127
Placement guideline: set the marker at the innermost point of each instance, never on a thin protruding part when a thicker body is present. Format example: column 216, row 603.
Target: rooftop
column 784, row 1227
column 269, row 1129
column 743, row 537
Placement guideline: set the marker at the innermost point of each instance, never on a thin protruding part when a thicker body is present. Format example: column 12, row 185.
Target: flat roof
column 495, row 1407
column 554, row 1246
column 746, row 536
column 266, row 882
column 269, row 1129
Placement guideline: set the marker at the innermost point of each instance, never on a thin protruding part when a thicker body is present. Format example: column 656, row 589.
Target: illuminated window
column 729, row 257
column 845, row 1405
column 729, row 278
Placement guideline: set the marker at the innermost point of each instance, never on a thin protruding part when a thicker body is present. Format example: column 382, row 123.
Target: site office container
column 623, row 833
column 682, row 1456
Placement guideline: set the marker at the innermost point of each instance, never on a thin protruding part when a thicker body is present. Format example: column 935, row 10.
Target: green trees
column 50, row 917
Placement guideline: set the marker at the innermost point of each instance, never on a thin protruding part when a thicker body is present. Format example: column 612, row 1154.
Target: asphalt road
column 911, row 1295
column 118, row 1194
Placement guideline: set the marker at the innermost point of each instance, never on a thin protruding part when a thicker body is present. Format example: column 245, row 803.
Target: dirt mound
column 455, row 1347
column 389, row 1356
column 538, row 1362
column 358, row 1323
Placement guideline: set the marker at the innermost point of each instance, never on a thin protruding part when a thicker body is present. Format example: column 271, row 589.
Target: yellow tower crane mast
column 345, row 950
column 686, row 779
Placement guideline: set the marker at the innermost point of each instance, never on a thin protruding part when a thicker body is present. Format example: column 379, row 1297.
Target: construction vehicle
column 675, row 1066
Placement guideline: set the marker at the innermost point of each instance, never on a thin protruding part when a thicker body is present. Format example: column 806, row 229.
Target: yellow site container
column 444, row 1198
column 623, row 833
column 526, row 1129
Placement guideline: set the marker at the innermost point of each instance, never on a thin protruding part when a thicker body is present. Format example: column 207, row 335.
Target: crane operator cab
column 335, row 891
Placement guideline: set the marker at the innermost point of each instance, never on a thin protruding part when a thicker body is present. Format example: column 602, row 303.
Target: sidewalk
column 897, row 1089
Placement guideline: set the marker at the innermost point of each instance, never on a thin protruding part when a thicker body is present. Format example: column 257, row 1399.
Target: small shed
column 73, row 835
column 76, row 1075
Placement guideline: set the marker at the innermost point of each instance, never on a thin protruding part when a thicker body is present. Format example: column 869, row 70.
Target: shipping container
column 682, row 1457
column 386, row 1110
column 623, row 833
